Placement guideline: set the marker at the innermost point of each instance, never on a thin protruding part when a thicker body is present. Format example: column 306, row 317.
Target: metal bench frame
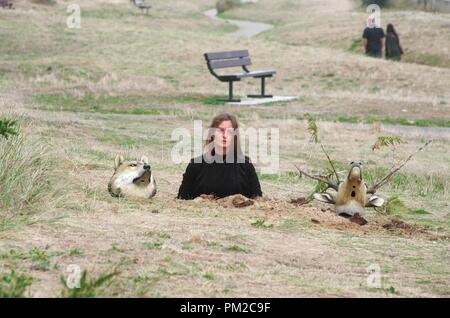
column 231, row 59
column 142, row 6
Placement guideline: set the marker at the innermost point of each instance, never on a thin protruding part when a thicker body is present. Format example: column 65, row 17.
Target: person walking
column 373, row 38
column 393, row 49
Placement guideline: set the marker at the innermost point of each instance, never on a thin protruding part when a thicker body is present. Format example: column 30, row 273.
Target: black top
column 220, row 179
column 373, row 36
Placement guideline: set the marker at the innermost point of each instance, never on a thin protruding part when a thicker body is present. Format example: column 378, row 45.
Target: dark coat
column 394, row 50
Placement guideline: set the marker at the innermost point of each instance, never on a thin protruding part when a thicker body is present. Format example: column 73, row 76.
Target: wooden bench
column 230, row 59
column 141, row 5
column 6, row 4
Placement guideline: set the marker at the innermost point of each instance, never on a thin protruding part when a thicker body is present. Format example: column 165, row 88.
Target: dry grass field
column 124, row 81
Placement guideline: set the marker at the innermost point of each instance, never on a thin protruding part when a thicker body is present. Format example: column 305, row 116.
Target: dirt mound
column 371, row 223
column 233, row 201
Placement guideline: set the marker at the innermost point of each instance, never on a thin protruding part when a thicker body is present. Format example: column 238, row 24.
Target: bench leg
column 230, row 93
column 263, row 90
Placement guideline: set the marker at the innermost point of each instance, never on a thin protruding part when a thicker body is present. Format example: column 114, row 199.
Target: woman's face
column 223, row 136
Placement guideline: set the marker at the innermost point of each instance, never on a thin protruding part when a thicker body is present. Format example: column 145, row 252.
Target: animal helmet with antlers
column 352, row 195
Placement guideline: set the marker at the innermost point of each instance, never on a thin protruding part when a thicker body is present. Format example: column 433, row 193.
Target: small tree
column 326, row 179
column 381, row 3
column 225, row 5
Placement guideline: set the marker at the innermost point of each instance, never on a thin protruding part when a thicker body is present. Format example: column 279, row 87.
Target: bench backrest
column 226, row 59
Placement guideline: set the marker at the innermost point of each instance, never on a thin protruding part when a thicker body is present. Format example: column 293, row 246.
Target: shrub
column 381, row 3
column 225, row 5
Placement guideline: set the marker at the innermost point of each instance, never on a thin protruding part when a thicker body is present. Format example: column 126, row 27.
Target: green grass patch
column 388, row 121
column 103, row 104
column 110, row 104
column 415, row 122
column 208, row 276
column 418, row 212
column 8, row 127
column 13, row 285
column 429, row 282
column 262, row 223
column 86, row 287
column 236, row 267
column 45, row 2
column 153, row 245
column 430, row 185
column 127, row 261
column 397, row 121
column 166, row 272
column 394, row 205
column 117, row 249
column 160, row 235
column 13, row 255
column 140, row 278
column 229, row 28
column 67, row 100
column 187, row 246
column 192, row 99
column 120, row 140
column 388, row 290
column 356, row 44
column 214, row 244
column 294, row 224
column 291, row 177
column 37, row 254
column 236, row 248
column 110, row 12
column 426, row 59
column 75, row 252
column 40, row 259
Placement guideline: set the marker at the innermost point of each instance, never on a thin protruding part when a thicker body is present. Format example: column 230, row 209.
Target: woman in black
column 394, row 50
column 222, row 170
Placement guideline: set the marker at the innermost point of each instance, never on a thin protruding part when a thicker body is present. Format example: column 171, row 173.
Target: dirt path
column 408, row 131
column 246, row 28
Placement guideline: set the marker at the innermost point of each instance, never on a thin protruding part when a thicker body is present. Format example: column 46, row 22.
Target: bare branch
column 331, row 163
column 386, row 179
column 330, row 184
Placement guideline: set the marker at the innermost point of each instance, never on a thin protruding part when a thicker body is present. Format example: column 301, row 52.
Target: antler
column 330, row 184
column 386, row 179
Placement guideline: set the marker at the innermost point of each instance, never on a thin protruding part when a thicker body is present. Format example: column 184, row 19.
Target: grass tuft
column 25, row 174
column 13, row 285
column 87, row 287
column 236, row 248
column 7, row 127
column 261, row 223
